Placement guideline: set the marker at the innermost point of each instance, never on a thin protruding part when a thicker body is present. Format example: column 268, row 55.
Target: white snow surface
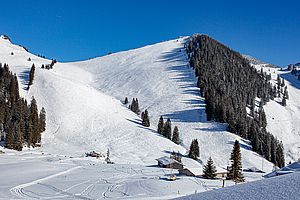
column 83, row 102
column 285, row 187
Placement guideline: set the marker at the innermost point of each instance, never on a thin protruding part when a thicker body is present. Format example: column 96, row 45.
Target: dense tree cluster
column 235, row 170
column 165, row 129
column 20, row 123
column 194, row 151
column 229, row 85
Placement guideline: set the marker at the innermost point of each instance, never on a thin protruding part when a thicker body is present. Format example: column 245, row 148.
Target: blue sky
column 77, row 30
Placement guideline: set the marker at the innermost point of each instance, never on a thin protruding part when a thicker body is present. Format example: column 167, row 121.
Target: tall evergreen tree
column 194, row 150
column 145, row 119
column 175, row 136
column 285, row 94
column 126, row 101
column 235, row 172
column 31, row 76
column 135, row 106
column 42, row 121
column 160, row 126
column 209, row 170
column 167, row 131
column 283, row 102
column 35, row 136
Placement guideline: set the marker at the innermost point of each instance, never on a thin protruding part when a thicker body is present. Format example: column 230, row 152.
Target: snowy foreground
column 33, row 175
column 278, row 188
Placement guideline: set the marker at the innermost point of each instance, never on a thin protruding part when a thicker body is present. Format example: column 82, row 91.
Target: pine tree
column 135, row 106
column 283, row 102
column 235, row 172
column 280, row 155
column 209, row 170
column 160, row 126
column 145, row 119
column 42, row 122
column 278, row 82
column 126, row 101
column 175, row 137
column 31, row 76
column 285, row 94
column 194, row 150
column 34, row 124
column 9, row 143
column 262, row 118
column 168, row 129
column 282, row 83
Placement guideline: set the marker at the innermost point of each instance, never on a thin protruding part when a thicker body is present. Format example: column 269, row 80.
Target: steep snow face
column 159, row 76
column 79, row 117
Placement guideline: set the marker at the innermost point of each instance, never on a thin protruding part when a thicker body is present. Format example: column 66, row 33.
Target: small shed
column 167, row 162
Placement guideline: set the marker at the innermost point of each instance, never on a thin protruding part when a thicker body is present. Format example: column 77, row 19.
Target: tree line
column 20, row 122
column 229, row 85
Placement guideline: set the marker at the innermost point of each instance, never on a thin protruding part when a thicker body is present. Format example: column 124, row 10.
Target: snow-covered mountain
column 83, row 101
column 85, row 110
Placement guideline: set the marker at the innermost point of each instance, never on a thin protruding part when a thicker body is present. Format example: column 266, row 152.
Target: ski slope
column 79, row 117
column 83, row 102
column 159, row 76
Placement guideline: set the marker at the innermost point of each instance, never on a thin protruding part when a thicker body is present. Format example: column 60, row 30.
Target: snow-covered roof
column 294, row 167
column 196, row 171
column 199, row 170
column 166, row 160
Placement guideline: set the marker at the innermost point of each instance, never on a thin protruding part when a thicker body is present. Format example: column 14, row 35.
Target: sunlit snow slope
column 159, row 76
column 79, row 117
column 83, row 101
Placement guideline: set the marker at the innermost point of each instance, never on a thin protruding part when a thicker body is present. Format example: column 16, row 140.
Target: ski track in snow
column 19, row 190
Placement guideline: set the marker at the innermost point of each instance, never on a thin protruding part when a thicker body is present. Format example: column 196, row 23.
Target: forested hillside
column 20, row 123
column 235, row 93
